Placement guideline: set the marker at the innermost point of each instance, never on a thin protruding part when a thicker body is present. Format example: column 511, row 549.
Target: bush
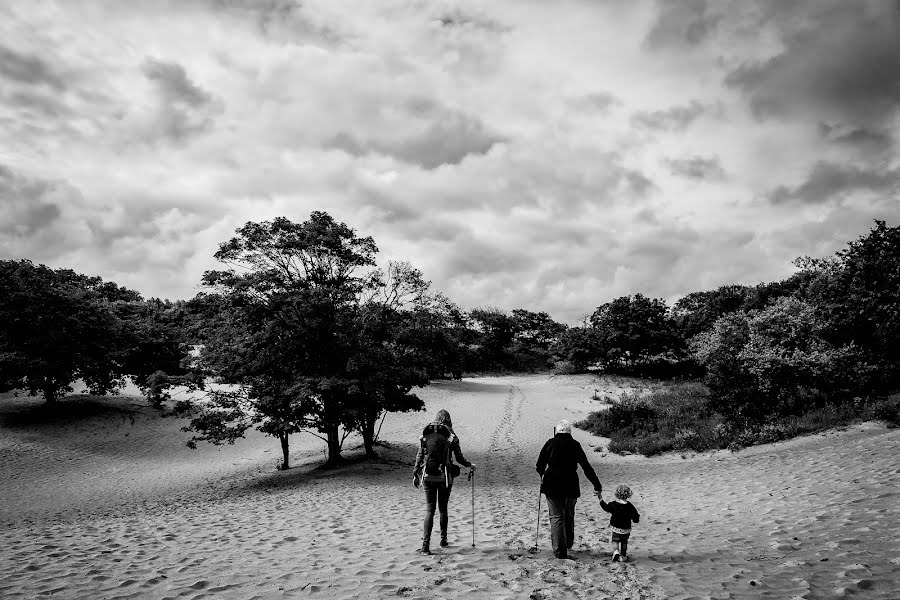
column 564, row 367
column 885, row 409
column 677, row 417
column 681, row 417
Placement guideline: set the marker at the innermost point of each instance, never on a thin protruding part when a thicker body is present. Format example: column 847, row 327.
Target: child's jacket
column 621, row 514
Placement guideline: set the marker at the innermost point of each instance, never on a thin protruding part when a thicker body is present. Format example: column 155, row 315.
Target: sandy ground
column 111, row 504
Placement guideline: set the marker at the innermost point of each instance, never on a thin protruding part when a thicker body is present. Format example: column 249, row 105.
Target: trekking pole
column 538, row 528
column 472, row 479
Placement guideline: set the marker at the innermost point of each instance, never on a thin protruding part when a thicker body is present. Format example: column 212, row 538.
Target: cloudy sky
column 524, row 153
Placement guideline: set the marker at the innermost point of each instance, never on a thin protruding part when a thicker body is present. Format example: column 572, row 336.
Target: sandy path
column 812, row 518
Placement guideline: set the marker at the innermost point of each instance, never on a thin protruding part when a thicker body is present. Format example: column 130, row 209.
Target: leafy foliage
column 60, row 326
column 674, row 417
column 308, row 336
column 633, row 329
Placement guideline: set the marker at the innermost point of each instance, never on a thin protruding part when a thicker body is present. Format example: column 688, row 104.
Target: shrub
column 885, row 409
column 677, row 417
column 564, row 367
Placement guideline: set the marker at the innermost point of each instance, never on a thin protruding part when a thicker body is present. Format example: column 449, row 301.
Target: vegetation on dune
column 300, row 331
column 681, row 417
column 59, row 326
column 817, row 350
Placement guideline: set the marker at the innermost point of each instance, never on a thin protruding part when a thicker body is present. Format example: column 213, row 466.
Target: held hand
column 416, row 480
column 472, row 467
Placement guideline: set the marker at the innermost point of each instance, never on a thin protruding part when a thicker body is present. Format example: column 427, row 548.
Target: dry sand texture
column 112, row 505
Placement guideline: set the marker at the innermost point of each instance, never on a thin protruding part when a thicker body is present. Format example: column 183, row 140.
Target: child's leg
column 623, row 547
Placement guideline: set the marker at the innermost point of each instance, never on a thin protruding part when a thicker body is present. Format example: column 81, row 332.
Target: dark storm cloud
column 596, row 102
column 676, row 118
column 841, row 61
column 26, row 204
column 477, row 257
column 828, row 180
column 639, row 183
column 174, row 84
column 697, row 167
column 37, row 103
column 29, row 69
column 185, row 108
column 681, row 23
column 832, row 231
column 457, row 18
column 447, row 139
column 871, row 141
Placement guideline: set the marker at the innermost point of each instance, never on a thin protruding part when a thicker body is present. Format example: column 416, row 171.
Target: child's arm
column 634, row 514
column 605, row 506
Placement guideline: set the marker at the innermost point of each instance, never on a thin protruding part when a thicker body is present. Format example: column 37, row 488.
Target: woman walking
column 434, row 472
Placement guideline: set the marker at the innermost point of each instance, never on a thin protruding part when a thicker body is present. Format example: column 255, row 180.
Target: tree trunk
column 368, row 435
column 51, row 392
column 334, row 445
column 285, row 452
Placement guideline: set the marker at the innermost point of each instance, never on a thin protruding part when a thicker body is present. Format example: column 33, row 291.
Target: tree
column 858, row 292
column 387, row 361
column 581, row 346
column 59, row 326
column 442, row 336
column 306, row 333
column 634, row 328
column 496, row 331
column 534, row 334
column 698, row 311
column 777, row 361
column 155, row 339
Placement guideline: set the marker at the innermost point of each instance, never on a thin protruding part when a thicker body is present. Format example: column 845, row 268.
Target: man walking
column 557, row 466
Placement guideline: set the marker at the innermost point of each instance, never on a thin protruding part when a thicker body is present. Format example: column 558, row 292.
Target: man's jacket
column 557, row 465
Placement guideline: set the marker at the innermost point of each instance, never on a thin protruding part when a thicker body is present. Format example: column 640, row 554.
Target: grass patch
column 679, row 417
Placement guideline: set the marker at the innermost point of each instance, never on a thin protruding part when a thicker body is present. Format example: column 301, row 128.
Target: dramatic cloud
column 697, row 167
column 446, row 138
column 184, row 108
column 676, row 118
column 867, row 141
column 28, row 69
column 840, row 61
column 682, row 23
column 26, row 206
column 828, row 181
column 520, row 154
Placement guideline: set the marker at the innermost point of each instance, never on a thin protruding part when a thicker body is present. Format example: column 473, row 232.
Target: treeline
column 299, row 331
column 59, row 326
column 777, row 359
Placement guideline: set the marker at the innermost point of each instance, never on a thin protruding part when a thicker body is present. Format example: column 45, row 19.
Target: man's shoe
column 426, row 547
column 444, row 542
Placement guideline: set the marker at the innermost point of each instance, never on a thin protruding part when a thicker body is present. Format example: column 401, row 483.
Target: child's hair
column 623, row 492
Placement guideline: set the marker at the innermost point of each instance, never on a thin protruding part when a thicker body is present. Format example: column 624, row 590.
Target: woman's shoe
column 444, row 542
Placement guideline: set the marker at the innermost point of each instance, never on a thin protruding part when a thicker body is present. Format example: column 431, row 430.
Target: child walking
column 622, row 514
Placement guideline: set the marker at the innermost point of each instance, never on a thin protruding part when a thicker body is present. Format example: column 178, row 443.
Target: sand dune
column 112, row 505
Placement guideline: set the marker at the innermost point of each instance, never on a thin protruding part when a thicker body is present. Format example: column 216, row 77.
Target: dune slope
column 113, row 505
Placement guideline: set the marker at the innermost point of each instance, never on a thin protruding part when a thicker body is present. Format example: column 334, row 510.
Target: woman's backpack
column 437, row 442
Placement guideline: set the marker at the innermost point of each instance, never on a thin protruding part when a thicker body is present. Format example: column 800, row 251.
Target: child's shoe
column 615, row 555
column 624, row 558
